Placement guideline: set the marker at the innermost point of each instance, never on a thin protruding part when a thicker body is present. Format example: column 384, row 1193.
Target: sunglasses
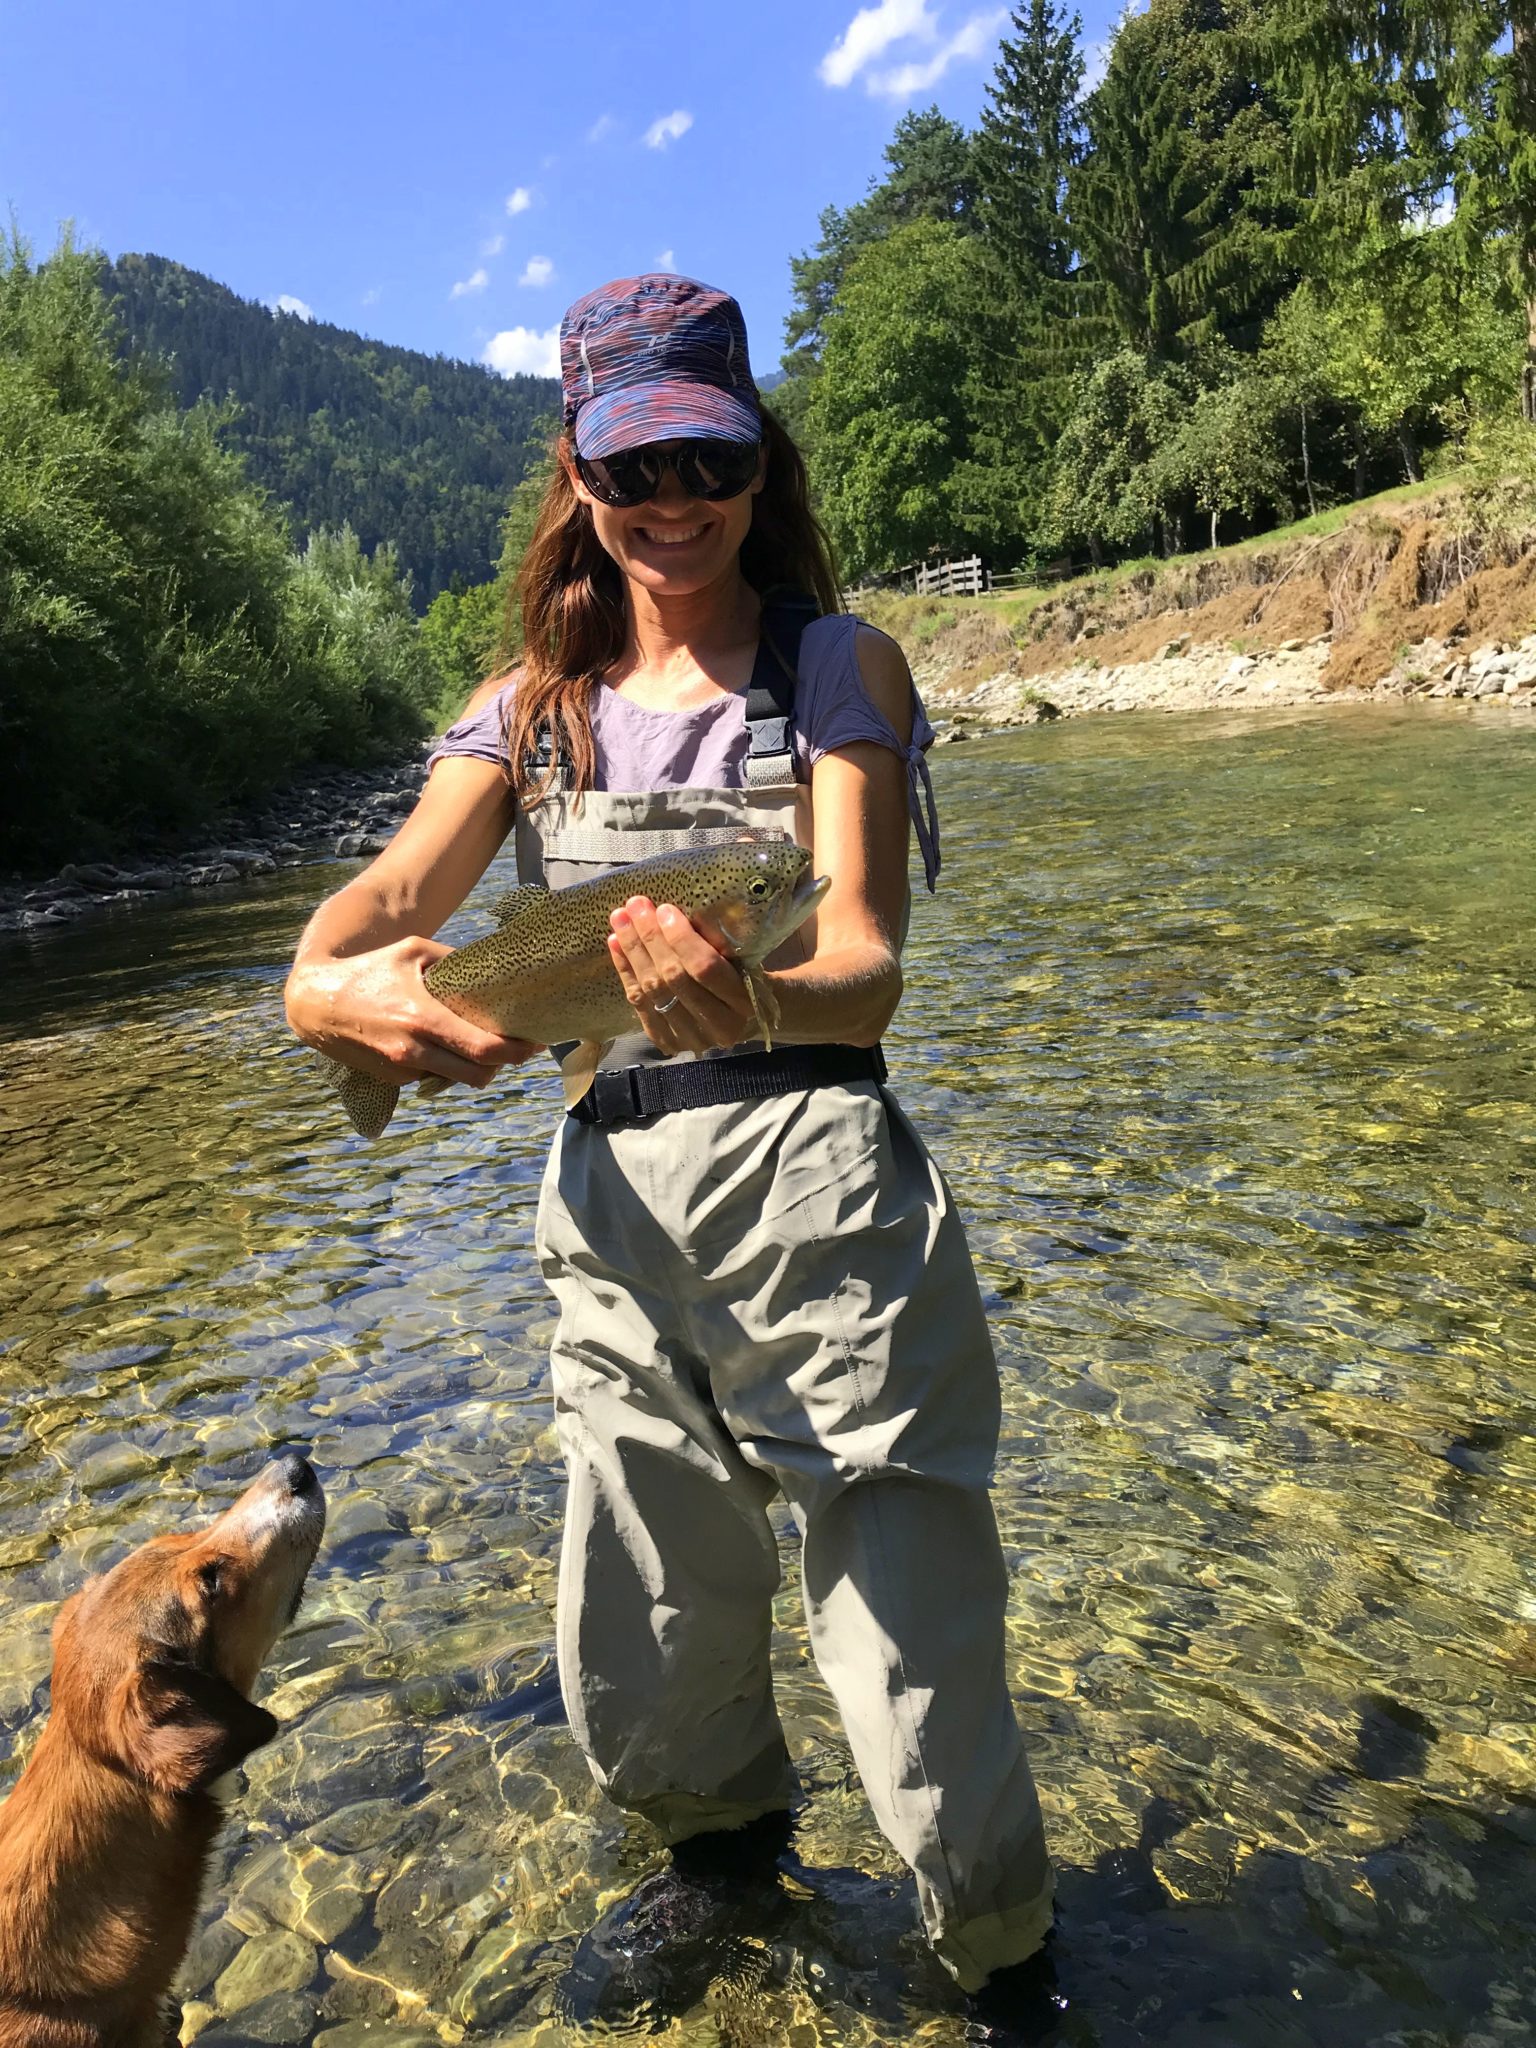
column 705, row 469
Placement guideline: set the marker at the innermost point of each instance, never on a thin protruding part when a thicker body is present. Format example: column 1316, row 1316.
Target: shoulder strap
column 771, row 692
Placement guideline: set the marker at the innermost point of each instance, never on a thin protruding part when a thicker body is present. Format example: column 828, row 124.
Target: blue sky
column 450, row 174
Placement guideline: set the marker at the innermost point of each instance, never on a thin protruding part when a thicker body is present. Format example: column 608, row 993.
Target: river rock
column 365, row 2034
column 284, row 2020
column 268, row 1963
column 213, row 1949
column 496, row 1980
column 306, row 1890
column 112, row 1465
column 91, row 875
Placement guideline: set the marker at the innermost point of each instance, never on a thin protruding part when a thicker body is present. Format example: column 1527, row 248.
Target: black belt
column 621, row 1095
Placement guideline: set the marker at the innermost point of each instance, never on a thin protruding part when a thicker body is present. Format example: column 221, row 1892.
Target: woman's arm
column 356, row 989
column 847, row 992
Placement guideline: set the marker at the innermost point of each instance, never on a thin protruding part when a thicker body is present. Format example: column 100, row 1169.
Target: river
column 1224, row 1030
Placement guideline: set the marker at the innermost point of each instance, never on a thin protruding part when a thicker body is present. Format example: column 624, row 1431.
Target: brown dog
column 105, row 1840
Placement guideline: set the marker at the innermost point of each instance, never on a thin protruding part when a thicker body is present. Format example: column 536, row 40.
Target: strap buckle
column 769, row 736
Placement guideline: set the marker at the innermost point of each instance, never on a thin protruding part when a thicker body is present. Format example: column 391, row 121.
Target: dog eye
column 208, row 1577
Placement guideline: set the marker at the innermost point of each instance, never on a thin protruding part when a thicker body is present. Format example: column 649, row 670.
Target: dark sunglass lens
column 626, row 478
column 717, row 469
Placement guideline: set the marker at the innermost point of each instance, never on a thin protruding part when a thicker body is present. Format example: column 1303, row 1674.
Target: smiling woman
column 763, row 1284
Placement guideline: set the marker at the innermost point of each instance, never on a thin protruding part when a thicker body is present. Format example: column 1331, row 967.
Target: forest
column 418, row 451
column 1282, row 252
column 163, row 647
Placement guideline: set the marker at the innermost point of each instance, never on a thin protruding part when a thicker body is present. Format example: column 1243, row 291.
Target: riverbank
column 335, row 815
column 1422, row 596
column 1210, row 677
column 1427, row 597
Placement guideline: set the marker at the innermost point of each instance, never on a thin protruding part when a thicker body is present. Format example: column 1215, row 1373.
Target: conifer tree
column 1179, row 204
column 1029, row 331
column 1409, row 109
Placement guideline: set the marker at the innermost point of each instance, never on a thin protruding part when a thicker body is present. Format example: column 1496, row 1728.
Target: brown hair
column 571, row 595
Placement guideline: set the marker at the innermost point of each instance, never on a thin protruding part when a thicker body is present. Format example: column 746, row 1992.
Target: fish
column 546, row 974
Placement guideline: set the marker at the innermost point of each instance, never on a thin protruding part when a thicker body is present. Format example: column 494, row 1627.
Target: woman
column 762, row 1283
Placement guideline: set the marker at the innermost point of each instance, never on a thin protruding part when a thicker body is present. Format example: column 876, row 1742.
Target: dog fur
column 104, row 1843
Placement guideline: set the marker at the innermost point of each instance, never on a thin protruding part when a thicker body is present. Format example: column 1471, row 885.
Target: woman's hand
column 687, row 996
column 373, row 1011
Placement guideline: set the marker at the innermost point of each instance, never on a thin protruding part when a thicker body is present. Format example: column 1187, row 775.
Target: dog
column 104, row 1842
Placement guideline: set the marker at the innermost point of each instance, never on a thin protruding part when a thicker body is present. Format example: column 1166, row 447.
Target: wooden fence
column 967, row 577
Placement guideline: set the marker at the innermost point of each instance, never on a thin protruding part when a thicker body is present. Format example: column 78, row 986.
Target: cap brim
column 672, row 410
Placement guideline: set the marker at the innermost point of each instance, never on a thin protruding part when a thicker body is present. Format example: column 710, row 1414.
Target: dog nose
column 298, row 1472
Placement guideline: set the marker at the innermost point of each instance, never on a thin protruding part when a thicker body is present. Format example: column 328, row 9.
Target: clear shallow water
column 1225, row 1033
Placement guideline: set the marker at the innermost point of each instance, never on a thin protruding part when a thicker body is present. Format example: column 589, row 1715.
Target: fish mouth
column 808, row 891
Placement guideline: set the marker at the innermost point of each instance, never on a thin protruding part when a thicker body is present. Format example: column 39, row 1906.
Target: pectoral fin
column 578, row 1067
column 765, row 1004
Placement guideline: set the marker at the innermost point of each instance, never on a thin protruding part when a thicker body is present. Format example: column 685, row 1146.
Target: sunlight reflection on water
column 1222, row 1029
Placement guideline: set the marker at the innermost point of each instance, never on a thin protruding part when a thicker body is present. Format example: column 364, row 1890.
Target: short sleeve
column 479, row 736
column 833, row 709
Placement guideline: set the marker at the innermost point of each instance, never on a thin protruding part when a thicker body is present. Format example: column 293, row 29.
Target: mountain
column 419, row 450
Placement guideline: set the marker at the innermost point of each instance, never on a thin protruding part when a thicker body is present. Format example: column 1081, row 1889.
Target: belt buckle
column 613, row 1098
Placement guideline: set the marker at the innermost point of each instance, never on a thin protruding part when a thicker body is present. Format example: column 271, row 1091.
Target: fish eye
column 758, row 886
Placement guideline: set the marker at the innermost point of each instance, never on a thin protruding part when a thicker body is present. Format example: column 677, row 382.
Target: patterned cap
column 656, row 358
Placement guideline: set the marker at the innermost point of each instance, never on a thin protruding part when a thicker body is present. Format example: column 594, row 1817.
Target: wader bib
column 766, row 1295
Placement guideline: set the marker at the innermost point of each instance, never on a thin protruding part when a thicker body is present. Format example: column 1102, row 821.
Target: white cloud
column 905, row 80
column 667, row 260
column 285, row 302
column 522, row 348
column 520, row 200
column 371, row 296
column 538, row 270
column 870, row 33
column 668, row 129
column 602, row 128
column 493, row 245
column 475, row 282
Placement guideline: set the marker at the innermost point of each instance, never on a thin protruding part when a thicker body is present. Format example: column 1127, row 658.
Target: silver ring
column 670, row 1004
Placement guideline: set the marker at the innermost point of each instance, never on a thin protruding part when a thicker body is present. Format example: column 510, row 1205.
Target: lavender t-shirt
column 638, row 748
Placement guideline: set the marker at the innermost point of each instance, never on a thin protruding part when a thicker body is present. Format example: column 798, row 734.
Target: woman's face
column 674, row 544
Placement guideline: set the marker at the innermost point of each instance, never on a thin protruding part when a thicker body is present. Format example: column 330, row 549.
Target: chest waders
column 769, row 1291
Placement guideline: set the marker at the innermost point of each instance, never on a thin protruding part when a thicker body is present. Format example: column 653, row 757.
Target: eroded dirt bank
column 1432, row 598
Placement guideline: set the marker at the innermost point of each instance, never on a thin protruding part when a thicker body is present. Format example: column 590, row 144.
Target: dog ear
column 184, row 1727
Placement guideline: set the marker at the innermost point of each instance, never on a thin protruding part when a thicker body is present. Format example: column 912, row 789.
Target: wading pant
column 768, row 1296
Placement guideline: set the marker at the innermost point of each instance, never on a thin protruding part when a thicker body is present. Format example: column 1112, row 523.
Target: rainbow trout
column 546, row 974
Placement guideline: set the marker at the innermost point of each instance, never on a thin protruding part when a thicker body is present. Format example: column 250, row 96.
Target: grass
column 1016, row 606
column 916, row 621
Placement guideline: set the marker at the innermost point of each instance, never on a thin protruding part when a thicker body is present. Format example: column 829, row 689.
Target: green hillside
column 418, row 450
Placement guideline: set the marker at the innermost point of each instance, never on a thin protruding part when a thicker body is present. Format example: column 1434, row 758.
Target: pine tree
column 1179, row 203
column 1031, row 336
column 1408, row 109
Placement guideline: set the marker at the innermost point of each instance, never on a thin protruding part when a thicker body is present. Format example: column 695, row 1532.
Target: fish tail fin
column 369, row 1103
column 578, row 1068
column 765, row 1004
